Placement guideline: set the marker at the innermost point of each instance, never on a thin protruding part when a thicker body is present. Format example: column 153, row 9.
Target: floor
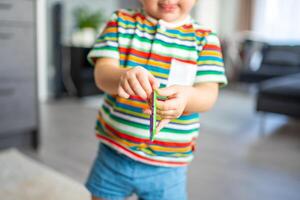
column 238, row 156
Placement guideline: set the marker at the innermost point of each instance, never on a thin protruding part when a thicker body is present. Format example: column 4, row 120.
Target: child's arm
column 198, row 98
column 114, row 80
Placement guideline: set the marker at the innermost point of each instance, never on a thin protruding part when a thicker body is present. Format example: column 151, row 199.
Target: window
column 277, row 20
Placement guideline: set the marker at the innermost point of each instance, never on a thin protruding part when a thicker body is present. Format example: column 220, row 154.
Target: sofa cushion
column 282, row 56
column 280, row 95
column 285, row 88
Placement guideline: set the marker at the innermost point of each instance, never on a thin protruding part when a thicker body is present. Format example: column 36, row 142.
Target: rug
column 22, row 178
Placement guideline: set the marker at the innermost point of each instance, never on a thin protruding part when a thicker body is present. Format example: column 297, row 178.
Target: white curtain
column 277, row 20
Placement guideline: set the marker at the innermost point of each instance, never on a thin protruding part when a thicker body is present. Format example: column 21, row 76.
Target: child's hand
column 174, row 106
column 137, row 81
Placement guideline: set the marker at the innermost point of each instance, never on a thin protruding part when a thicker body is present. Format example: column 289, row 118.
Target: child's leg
column 159, row 183
column 165, row 184
column 108, row 178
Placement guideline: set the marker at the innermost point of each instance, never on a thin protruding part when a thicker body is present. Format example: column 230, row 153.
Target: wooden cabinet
column 17, row 10
column 18, row 85
column 17, row 51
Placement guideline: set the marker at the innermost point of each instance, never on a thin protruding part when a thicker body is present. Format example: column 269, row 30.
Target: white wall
column 207, row 12
column 228, row 17
column 41, row 50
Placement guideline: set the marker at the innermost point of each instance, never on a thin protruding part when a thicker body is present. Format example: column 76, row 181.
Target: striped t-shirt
column 183, row 53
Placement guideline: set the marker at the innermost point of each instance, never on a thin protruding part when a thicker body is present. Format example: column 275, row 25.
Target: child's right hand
column 137, row 81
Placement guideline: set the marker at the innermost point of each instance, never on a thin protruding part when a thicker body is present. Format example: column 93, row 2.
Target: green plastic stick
column 153, row 116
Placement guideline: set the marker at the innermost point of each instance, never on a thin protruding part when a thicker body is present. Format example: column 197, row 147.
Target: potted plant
column 87, row 26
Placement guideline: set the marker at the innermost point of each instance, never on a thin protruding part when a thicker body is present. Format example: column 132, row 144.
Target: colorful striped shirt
column 184, row 53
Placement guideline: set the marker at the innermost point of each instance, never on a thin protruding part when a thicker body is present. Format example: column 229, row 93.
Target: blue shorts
column 115, row 176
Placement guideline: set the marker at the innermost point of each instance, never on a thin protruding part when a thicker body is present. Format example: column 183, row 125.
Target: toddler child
column 159, row 47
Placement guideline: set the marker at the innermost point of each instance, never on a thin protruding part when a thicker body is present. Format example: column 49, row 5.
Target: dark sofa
column 280, row 95
column 275, row 69
column 263, row 61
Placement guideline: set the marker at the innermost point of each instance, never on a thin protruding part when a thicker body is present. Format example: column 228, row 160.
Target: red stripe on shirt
column 137, row 155
column 211, row 47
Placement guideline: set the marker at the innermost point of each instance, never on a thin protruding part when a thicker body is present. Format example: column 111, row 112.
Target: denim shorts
column 115, row 176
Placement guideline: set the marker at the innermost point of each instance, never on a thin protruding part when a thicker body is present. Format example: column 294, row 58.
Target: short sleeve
column 106, row 44
column 210, row 65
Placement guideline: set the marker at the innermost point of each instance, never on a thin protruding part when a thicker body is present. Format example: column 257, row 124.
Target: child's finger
column 154, row 82
column 161, row 124
column 137, row 88
column 127, row 88
column 122, row 93
column 167, row 114
column 145, row 85
column 170, row 104
column 168, row 91
column 147, row 111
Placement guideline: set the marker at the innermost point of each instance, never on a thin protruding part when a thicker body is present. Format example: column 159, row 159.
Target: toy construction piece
column 153, row 116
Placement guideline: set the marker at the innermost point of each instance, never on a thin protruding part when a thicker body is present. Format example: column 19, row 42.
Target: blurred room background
column 249, row 143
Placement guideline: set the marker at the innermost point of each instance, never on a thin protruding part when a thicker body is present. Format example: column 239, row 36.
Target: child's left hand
column 173, row 107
